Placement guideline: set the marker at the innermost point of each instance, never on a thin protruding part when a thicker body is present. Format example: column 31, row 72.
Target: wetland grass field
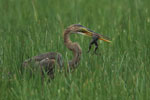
column 32, row 27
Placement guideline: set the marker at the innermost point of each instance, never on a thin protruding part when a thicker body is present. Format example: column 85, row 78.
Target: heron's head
column 79, row 29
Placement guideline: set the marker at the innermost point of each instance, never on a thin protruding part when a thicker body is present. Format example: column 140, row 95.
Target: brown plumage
column 74, row 47
column 47, row 61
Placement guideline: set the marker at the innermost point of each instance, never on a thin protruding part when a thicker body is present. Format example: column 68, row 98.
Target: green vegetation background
column 31, row 27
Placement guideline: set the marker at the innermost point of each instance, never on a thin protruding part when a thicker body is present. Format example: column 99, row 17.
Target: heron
column 47, row 61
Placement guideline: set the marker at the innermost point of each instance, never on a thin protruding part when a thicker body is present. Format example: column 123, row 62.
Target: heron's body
column 49, row 55
column 48, row 59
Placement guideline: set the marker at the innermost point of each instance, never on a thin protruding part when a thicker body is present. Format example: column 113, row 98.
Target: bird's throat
column 74, row 47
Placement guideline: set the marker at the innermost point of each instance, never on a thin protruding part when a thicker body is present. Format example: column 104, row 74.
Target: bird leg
column 94, row 41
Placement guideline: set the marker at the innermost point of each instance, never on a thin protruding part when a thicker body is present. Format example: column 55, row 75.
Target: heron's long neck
column 74, row 47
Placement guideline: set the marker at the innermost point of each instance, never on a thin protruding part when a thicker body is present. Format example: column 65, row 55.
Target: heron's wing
column 50, row 55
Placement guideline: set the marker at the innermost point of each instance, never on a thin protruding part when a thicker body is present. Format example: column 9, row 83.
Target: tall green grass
column 31, row 27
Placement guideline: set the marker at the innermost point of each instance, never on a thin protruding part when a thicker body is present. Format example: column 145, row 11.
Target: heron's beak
column 101, row 37
column 106, row 40
column 88, row 34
